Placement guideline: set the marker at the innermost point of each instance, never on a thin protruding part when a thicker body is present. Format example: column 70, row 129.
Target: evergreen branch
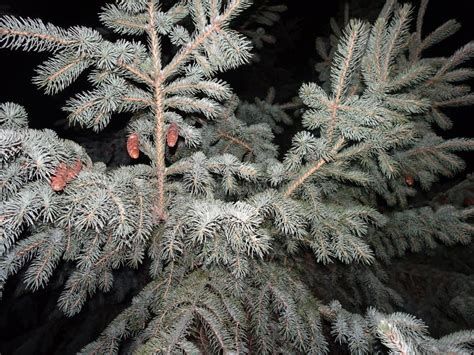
column 392, row 338
column 350, row 50
column 290, row 189
column 235, row 140
column 215, row 26
column 466, row 100
column 122, row 21
column 420, row 18
column 455, row 144
column 12, row 116
column 159, row 109
column 184, row 54
column 60, row 71
column 216, row 89
column 397, row 34
column 462, row 55
column 217, row 233
column 348, row 55
column 208, row 107
column 142, row 77
column 145, row 102
column 30, row 34
column 447, row 29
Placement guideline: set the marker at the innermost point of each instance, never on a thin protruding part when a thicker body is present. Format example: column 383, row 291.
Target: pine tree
column 222, row 218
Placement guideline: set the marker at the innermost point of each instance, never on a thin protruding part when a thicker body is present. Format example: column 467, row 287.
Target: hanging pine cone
column 58, row 181
column 409, row 180
column 63, row 174
column 133, row 144
column 172, row 134
column 73, row 171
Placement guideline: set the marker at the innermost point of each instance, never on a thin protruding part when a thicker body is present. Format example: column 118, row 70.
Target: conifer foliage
column 219, row 216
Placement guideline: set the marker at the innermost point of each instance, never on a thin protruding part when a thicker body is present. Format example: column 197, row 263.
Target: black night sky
column 284, row 65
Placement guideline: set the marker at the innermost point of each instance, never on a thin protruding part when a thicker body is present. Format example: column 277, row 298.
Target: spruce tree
column 223, row 220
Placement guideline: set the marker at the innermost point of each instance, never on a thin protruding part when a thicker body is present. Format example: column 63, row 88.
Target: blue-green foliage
column 221, row 218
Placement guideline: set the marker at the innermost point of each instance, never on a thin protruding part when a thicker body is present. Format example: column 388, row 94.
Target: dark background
column 30, row 323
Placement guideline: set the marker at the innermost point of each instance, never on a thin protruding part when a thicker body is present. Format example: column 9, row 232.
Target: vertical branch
column 157, row 78
column 419, row 19
column 160, row 75
column 416, row 48
column 349, row 50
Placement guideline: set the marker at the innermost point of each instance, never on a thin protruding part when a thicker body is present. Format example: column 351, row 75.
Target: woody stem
column 158, row 98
